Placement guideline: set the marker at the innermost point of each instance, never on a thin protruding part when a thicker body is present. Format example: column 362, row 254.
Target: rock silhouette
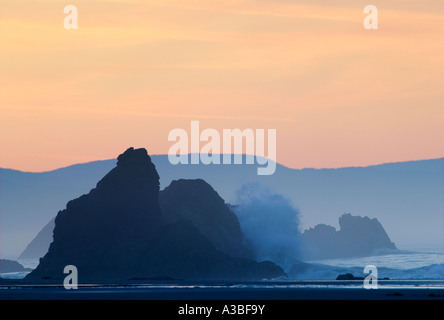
column 357, row 237
column 118, row 232
column 197, row 202
column 348, row 276
column 183, row 200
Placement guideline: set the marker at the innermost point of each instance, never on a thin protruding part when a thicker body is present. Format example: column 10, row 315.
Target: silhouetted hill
column 116, row 233
column 11, row 266
column 38, row 247
column 357, row 237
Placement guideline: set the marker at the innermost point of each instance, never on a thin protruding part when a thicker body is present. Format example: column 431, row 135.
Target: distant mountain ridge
column 407, row 192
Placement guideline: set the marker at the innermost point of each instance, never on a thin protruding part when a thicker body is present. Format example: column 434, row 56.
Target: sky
column 337, row 94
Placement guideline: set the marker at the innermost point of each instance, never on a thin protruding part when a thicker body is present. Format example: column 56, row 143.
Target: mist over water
column 270, row 224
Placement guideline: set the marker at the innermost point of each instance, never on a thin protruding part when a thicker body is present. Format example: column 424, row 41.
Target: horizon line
column 232, row 154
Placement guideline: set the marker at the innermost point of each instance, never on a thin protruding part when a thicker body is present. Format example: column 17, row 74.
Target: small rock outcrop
column 357, row 237
column 348, row 276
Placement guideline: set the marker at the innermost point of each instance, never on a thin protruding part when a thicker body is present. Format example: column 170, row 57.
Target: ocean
column 413, row 276
column 403, row 265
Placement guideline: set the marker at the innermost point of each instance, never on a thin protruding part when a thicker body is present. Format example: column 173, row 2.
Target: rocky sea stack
column 357, row 237
column 197, row 202
column 125, row 229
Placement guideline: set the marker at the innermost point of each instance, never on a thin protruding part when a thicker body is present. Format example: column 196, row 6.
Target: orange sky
column 338, row 95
